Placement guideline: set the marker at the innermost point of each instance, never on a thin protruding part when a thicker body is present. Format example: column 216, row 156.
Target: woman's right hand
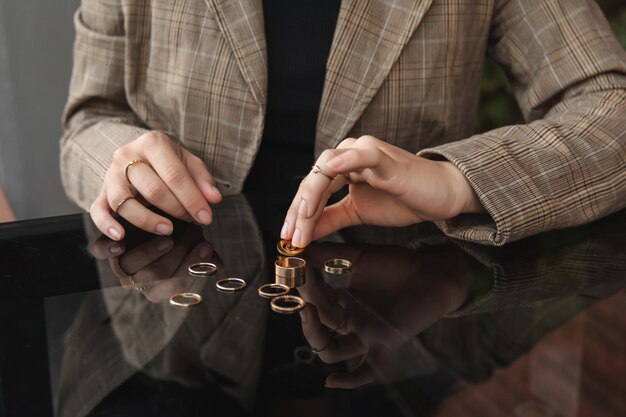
column 165, row 175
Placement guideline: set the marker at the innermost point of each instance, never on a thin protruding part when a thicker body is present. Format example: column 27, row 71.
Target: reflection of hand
column 157, row 267
column 388, row 187
column 169, row 177
column 393, row 295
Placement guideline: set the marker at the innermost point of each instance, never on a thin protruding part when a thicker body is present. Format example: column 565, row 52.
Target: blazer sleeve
column 97, row 118
column 567, row 166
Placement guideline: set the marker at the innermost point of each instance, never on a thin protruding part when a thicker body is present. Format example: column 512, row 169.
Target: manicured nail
column 215, row 190
column 114, row 233
column 165, row 244
column 283, row 231
column 163, row 229
column 295, row 240
column 335, row 162
column 115, row 249
column 204, row 217
column 205, row 251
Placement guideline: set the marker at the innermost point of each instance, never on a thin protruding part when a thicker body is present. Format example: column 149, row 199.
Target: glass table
column 420, row 325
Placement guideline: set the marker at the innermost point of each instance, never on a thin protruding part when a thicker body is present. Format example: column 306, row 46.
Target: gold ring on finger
column 317, row 170
column 119, row 205
column 131, row 163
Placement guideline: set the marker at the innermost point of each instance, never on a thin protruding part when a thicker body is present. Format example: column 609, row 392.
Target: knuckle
column 367, row 140
column 153, row 192
column 173, row 175
column 327, row 154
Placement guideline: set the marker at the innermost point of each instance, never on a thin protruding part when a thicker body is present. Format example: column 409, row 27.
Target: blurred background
column 36, row 38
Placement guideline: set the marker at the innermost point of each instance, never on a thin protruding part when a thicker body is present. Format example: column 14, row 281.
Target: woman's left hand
column 388, row 186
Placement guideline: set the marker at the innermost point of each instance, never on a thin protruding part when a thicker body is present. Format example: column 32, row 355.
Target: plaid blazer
column 405, row 71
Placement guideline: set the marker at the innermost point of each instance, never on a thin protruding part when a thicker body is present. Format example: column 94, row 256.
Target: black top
column 299, row 35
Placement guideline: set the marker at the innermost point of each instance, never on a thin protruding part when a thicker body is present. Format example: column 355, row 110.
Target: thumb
column 336, row 217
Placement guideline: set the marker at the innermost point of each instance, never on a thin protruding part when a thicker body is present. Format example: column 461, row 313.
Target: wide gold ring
column 298, row 302
column 290, row 282
column 317, row 170
column 131, row 163
column 273, row 290
column 337, row 266
column 195, row 299
column 290, row 267
column 119, row 205
column 226, row 284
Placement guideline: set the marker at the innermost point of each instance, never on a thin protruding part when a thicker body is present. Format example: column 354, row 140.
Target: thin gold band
column 318, row 170
column 265, row 293
column 119, row 205
column 196, row 299
column 300, row 303
column 131, row 163
column 202, row 269
column 241, row 284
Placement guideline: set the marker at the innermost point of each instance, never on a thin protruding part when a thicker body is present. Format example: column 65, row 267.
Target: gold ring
column 224, row 284
column 284, row 247
column 318, row 170
column 290, row 282
column 202, row 269
column 131, row 163
column 119, row 205
column 195, row 299
column 134, row 285
column 326, row 346
column 273, row 290
column 290, row 267
column 287, row 299
column 337, row 266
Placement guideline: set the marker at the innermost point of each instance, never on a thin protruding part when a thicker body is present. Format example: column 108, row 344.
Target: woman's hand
column 388, row 187
column 157, row 267
column 163, row 174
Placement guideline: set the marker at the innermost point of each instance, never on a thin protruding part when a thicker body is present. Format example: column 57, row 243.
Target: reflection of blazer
column 405, row 71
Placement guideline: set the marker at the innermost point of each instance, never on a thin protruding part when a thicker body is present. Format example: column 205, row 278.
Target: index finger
column 168, row 165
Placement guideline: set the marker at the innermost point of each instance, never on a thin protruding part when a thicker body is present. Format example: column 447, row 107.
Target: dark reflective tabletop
column 419, row 326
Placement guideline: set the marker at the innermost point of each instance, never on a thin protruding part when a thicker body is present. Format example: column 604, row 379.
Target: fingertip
column 164, row 229
column 284, row 231
column 115, row 233
column 296, row 239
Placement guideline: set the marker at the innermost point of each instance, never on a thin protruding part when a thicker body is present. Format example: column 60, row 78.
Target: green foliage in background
column 497, row 105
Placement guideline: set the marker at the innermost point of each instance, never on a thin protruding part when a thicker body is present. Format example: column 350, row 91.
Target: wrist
column 467, row 200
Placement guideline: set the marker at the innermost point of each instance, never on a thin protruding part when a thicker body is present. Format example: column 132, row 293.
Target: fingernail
column 205, row 251
column 164, row 244
column 329, row 385
column 204, row 217
column 335, row 162
column 114, row 233
column 304, row 315
column 163, row 229
column 115, row 249
column 283, row 231
column 215, row 189
column 295, row 240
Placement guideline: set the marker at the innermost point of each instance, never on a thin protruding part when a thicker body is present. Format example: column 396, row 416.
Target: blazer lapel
column 369, row 38
column 241, row 22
